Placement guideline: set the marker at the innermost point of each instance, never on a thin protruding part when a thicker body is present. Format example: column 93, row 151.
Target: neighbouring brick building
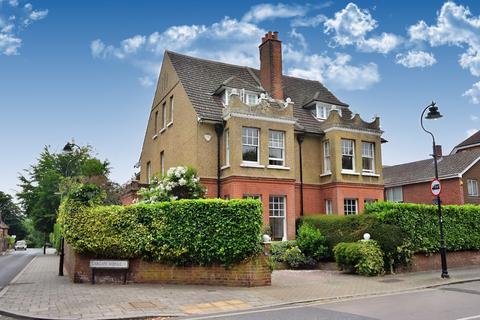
column 458, row 172
column 469, row 144
column 258, row 133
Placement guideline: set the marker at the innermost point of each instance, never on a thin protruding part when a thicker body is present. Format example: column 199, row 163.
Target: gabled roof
column 451, row 166
column 474, row 139
column 201, row 78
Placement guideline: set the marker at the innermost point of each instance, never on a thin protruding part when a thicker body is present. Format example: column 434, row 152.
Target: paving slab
column 38, row 292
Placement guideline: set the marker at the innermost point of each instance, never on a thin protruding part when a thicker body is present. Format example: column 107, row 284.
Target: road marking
column 470, row 318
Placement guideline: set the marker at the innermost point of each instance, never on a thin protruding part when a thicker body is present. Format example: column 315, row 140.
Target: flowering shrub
column 178, row 183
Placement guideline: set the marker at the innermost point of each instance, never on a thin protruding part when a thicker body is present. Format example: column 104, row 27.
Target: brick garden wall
column 253, row 273
column 422, row 262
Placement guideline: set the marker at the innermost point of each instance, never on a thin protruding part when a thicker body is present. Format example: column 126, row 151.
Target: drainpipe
column 219, row 131
column 300, row 138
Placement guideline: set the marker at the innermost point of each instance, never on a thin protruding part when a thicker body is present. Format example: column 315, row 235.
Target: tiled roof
column 201, row 78
column 473, row 139
column 423, row 170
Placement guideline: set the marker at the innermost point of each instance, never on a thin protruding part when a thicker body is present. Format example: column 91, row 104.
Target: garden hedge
column 419, row 223
column 187, row 232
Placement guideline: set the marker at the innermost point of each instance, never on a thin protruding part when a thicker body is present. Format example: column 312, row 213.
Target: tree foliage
column 50, row 178
column 11, row 214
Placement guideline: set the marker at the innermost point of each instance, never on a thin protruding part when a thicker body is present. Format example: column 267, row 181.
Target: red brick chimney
column 438, row 151
column 271, row 65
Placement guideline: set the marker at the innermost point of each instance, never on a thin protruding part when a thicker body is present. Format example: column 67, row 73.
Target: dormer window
column 322, row 110
column 248, row 97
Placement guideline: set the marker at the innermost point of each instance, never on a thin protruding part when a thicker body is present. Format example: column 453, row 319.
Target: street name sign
column 109, row 264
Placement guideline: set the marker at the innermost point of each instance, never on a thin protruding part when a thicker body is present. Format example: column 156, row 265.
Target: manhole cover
column 390, row 280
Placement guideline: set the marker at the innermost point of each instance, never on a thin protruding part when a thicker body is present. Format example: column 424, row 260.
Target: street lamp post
column 432, row 115
column 67, row 149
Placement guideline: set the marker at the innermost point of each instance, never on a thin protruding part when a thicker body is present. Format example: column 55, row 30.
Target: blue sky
column 68, row 70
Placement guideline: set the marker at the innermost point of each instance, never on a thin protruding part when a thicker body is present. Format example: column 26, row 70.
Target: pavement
column 13, row 262
column 38, row 292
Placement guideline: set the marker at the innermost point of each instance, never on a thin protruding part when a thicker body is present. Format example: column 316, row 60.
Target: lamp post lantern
column 434, row 114
column 68, row 148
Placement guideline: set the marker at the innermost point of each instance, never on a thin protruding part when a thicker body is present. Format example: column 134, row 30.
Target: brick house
column 458, row 172
column 469, row 144
column 258, row 133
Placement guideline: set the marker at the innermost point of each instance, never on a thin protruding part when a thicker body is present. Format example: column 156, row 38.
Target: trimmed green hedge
column 197, row 232
column 363, row 257
column 419, row 223
column 337, row 229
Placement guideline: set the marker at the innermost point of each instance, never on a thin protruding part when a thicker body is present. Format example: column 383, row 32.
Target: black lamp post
column 432, row 115
column 67, row 149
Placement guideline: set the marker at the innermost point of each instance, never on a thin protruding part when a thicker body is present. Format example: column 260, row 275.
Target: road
column 453, row 302
column 13, row 262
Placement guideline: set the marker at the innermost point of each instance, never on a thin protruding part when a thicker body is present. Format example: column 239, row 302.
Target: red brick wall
column 422, row 262
column 252, row 273
column 472, row 173
column 235, row 187
column 315, row 196
column 452, row 192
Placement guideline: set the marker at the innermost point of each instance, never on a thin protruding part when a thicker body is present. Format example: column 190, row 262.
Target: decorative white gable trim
column 369, row 131
column 257, row 117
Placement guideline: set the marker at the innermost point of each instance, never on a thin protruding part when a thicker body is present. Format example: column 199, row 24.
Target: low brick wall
column 252, row 273
column 423, row 262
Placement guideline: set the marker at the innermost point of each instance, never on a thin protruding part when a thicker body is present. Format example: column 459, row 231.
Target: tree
column 10, row 214
column 49, row 179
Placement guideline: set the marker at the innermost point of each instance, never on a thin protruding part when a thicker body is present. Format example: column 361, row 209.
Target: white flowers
column 178, row 183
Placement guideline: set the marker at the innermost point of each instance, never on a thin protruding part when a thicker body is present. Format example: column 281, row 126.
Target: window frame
column 472, row 183
column 170, row 122
column 351, row 205
column 348, row 155
column 282, row 210
column 328, row 207
column 390, row 194
column 164, row 116
column 149, row 171
column 327, row 164
column 371, row 158
column 281, row 148
column 155, row 126
column 251, row 145
column 227, row 147
column 162, row 162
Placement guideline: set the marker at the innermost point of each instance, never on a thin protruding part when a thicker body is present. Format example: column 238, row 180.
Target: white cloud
column 336, row 71
column 473, row 117
column 9, row 44
column 309, row 21
column 300, row 38
column 236, row 41
column 351, row 25
column 266, row 11
column 471, row 132
column 455, row 26
column 146, row 81
column 38, row 15
column 473, row 93
column 415, row 59
column 228, row 40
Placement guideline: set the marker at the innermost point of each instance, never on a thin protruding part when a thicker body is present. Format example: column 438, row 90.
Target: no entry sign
column 436, row 187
